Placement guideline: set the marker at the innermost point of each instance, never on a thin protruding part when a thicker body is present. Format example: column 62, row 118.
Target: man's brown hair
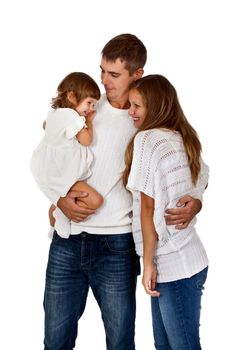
column 129, row 49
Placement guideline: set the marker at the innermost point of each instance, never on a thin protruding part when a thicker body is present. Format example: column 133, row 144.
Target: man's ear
column 71, row 97
column 138, row 73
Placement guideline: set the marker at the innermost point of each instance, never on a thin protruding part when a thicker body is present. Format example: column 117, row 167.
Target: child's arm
column 149, row 239
column 85, row 135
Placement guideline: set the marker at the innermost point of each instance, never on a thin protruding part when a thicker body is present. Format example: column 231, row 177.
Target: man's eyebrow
column 111, row 72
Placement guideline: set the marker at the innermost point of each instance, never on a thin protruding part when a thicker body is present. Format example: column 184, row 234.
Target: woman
column 163, row 163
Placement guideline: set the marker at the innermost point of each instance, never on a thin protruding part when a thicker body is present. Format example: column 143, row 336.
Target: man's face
column 116, row 80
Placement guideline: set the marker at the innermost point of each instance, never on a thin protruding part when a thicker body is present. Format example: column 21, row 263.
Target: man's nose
column 104, row 80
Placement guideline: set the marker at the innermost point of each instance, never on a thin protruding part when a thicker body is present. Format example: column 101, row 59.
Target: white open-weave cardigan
column 160, row 169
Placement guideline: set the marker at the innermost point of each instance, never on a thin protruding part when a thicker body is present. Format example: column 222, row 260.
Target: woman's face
column 137, row 109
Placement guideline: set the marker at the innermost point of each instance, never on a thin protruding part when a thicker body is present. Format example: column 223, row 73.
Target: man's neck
column 120, row 103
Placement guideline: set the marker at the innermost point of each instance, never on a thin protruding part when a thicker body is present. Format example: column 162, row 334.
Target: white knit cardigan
column 160, row 169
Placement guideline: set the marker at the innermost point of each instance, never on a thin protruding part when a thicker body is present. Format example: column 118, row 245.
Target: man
column 100, row 252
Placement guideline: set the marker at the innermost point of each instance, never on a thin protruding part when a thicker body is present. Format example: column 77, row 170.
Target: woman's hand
column 149, row 280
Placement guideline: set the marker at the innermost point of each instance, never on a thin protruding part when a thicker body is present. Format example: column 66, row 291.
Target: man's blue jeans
column 108, row 265
column 176, row 313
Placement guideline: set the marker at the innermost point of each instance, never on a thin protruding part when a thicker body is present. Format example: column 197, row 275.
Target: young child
column 163, row 164
column 62, row 160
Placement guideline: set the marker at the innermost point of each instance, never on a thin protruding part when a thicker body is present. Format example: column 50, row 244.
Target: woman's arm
column 149, row 240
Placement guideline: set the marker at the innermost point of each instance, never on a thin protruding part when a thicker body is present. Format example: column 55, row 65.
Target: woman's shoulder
column 154, row 136
column 160, row 145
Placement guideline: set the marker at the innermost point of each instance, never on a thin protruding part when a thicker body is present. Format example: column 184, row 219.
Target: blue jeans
column 108, row 265
column 176, row 313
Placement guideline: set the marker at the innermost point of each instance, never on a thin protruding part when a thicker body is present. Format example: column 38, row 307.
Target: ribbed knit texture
column 113, row 128
column 160, row 170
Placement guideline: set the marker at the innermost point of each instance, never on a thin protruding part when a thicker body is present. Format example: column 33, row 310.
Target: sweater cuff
column 198, row 196
column 50, row 194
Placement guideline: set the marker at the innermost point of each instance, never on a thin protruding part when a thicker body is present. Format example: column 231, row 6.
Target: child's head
column 154, row 104
column 75, row 91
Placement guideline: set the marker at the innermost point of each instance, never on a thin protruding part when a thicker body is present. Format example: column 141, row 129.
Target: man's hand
column 188, row 207
column 74, row 211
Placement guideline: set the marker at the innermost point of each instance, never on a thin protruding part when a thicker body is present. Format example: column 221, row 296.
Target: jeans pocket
column 120, row 243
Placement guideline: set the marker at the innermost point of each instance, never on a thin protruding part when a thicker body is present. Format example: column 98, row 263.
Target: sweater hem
column 111, row 230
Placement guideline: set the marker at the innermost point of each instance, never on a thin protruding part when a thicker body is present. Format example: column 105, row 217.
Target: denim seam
column 180, row 309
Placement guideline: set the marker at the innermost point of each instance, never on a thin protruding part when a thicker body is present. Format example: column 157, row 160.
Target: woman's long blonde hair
column 164, row 111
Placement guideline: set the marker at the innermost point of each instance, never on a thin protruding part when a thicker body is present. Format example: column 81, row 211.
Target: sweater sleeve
column 145, row 177
column 142, row 173
column 77, row 123
column 49, row 193
column 202, row 182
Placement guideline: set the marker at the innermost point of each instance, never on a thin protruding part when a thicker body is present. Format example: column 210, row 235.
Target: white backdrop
column 194, row 44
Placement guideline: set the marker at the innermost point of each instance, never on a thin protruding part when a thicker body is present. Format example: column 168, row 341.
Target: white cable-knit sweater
column 113, row 128
column 160, row 170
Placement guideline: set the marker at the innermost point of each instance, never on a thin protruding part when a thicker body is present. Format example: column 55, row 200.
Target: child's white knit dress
column 60, row 160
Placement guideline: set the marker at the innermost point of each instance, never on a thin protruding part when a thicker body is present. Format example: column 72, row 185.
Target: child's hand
column 90, row 116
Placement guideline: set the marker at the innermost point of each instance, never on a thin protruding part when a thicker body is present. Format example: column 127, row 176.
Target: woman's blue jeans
column 108, row 265
column 176, row 313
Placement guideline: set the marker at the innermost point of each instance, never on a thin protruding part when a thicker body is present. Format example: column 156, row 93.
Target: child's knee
column 97, row 201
